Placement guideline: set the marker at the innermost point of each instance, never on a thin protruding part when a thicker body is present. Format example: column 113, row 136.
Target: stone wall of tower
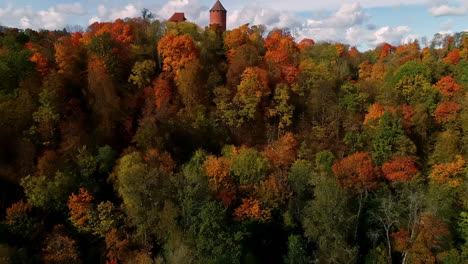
column 218, row 17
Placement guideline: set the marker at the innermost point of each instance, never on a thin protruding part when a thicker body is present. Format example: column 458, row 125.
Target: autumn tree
column 68, row 54
column 306, row 43
column 425, row 243
column 42, row 63
column 103, row 97
column 453, row 57
column 283, row 151
column 176, row 51
column 245, row 104
column 60, row 248
column 446, row 111
column 450, row 173
column 80, row 206
column 447, row 86
column 399, row 169
column 19, row 219
column 357, row 172
column 250, row 209
column 162, row 91
column 221, row 182
column 375, row 112
column 280, row 55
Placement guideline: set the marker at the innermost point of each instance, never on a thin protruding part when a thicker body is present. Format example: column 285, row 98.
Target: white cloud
column 24, row 22
column 72, row 9
column 346, row 25
column 256, row 15
column 354, row 35
column 51, row 18
column 391, row 35
column 443, row 9
column 313, row 5
column 348, row 15
column 93, row 20
column 110, row 14
column 128, row 11
column 27, row 17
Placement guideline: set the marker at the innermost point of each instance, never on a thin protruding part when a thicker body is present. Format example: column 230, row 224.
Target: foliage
column 399, row 169
column 357, row 172
column 148, row 141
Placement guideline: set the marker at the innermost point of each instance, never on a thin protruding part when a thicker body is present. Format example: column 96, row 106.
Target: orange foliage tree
column 305, row 43
column 250, row 209
column 453, row 57
column 357, row 172
column 163, row 91
column 236, row 38
column 400, row 169
column 375, row 112
column 283, row 151
column 176, row 52
column 67, row 50
column 281, row 53
column 365, row 70
column 221, row 182
column 378, row 71
column 448, row 86
column 446, row 111
column 353, row 52
column 80, row 206
column 450, row 174
column 387, row 49
column 42, row 63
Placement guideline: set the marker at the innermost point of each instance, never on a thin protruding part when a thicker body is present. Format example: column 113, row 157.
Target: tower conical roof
column 218, row 7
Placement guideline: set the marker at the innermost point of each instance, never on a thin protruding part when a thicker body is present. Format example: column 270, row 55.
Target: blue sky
column 364, row 23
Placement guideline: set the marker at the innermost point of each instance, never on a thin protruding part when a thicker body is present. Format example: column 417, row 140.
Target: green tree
column 249, row 167
column 385, row 139
column 328, row 222
column 296, row 251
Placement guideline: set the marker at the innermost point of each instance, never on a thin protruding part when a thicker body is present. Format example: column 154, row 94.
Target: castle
column 218, row 15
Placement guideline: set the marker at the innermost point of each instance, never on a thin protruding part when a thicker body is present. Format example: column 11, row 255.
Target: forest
column 145, row 141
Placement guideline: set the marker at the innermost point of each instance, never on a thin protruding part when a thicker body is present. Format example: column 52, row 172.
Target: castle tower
column 218, row 15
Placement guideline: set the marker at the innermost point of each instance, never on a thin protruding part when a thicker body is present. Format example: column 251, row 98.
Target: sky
column 361, row 23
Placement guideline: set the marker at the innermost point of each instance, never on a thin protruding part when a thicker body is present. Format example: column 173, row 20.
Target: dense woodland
column 141, row 141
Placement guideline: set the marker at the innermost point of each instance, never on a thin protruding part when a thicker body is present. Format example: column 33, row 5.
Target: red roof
column 177, row 17
column 218, row 7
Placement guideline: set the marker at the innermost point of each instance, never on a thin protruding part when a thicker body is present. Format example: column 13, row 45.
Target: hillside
column 141, row 141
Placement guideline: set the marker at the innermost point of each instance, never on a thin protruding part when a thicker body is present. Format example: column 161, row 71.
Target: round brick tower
column 218, row 15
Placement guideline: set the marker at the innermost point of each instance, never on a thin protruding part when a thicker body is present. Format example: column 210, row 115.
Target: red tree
column 446, row 111
column 399, row 169
column 448, row 86
column 357, row 172
column 453, row 57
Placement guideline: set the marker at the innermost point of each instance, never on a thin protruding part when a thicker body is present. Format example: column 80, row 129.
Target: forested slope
column 140, row 141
